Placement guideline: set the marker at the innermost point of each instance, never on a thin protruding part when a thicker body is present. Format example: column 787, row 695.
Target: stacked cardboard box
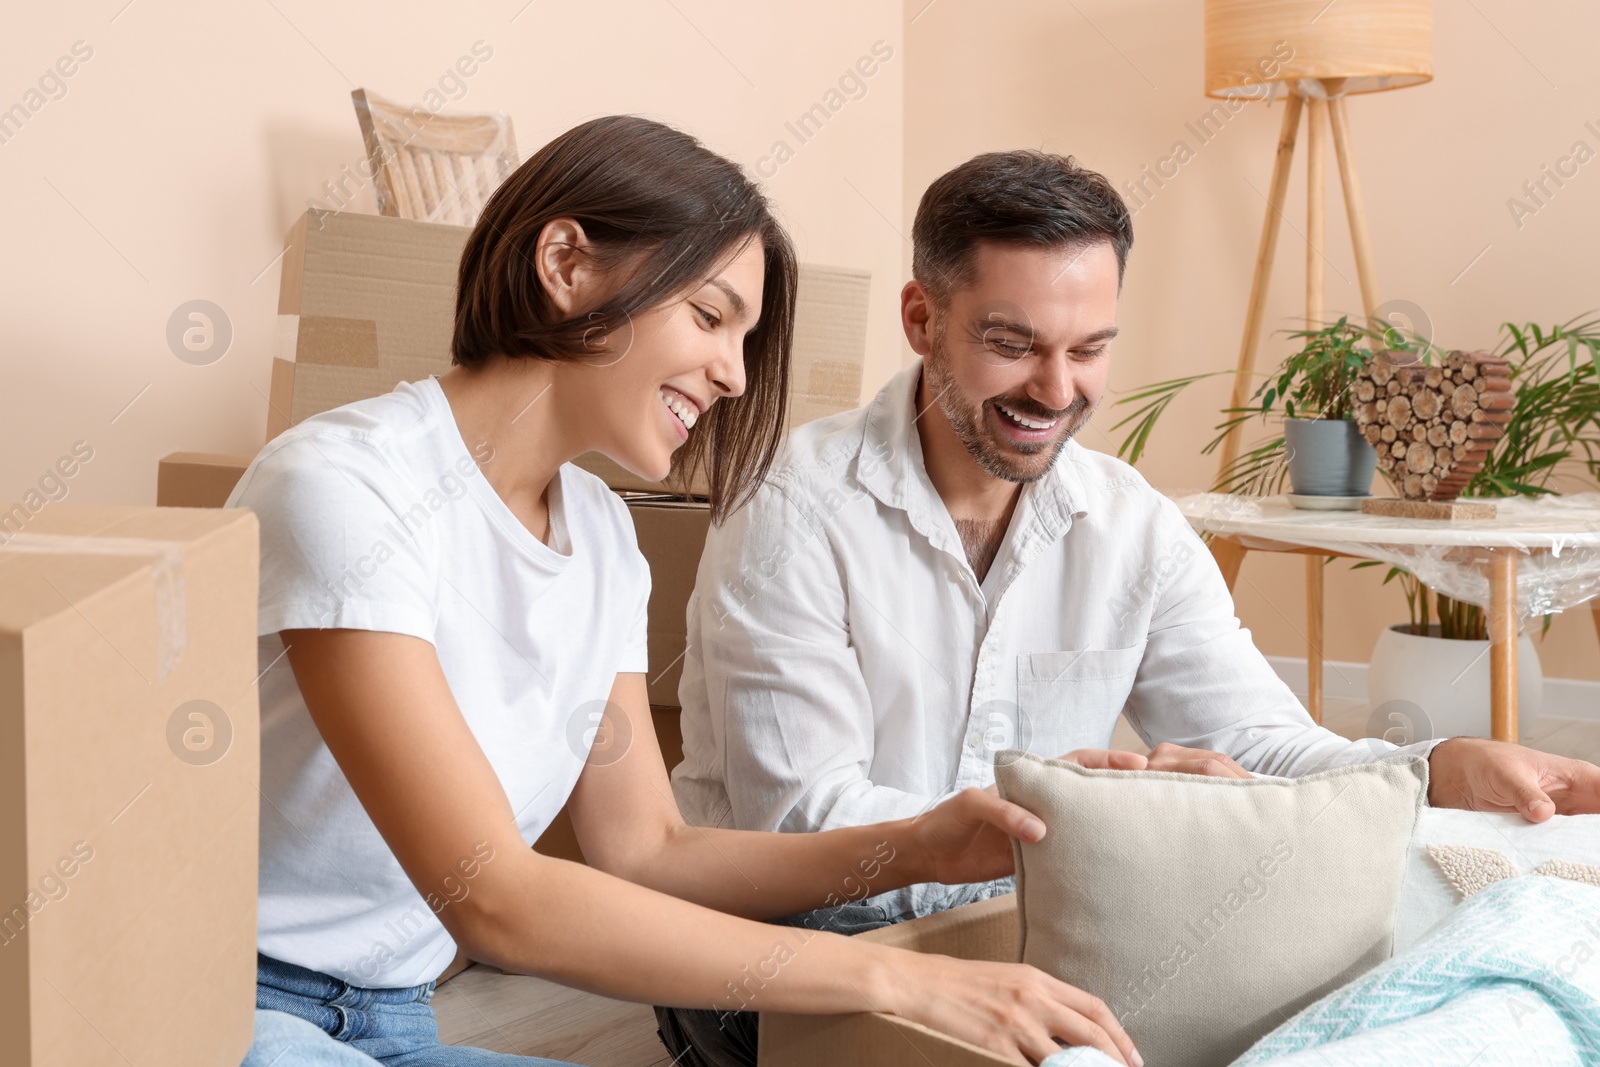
column 365, row 302
column 198, row 479
column 128, row 788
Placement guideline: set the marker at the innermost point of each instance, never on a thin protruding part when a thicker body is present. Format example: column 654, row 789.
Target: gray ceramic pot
column 1328, row 457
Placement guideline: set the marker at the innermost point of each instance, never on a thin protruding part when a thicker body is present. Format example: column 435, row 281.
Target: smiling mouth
column 1023, row 422
column 682, row 408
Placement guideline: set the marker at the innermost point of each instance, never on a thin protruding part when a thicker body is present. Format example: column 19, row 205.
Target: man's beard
column 1000, row 459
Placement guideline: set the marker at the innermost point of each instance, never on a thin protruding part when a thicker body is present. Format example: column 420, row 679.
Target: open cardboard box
column 987, row 930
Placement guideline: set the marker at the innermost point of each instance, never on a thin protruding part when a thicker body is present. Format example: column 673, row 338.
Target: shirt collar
column 890, row 464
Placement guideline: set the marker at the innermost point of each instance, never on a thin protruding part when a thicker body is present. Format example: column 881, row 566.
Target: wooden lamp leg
column 1503, row 645
column 1316, row 211
column 1263, row 274
column 1366, row 266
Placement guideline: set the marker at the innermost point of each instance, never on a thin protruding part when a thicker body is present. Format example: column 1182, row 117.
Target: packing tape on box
column 329, row 340
column 166, row 572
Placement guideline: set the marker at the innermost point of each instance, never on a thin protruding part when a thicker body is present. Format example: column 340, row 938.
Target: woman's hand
column 967, row 838
column 1013, row 1010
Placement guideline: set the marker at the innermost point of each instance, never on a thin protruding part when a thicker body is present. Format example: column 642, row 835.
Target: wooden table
column 1557, row 539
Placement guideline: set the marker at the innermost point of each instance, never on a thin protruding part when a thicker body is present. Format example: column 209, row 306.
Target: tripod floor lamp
column 1316, row 53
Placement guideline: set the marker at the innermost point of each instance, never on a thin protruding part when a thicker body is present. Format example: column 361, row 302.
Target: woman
column 463, row 614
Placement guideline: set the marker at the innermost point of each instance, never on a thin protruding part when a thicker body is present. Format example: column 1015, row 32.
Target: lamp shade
column 1372, row 44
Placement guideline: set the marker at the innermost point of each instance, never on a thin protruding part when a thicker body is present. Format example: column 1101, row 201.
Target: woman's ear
column 562, row 257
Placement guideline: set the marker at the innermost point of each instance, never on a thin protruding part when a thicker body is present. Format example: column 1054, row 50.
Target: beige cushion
column 1206, row 911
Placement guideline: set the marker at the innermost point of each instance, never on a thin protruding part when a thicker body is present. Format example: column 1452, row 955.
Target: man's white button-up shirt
column 845, row 665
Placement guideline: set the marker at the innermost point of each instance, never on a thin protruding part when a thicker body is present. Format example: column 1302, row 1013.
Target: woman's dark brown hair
column 668, row 212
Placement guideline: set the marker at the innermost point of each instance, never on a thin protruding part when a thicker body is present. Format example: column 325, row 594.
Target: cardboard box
column 830, row 346
column 198, row 479
column 987, row 930
column 672, row 535
column 365, row 302
column 129, row 757
column 368, row 301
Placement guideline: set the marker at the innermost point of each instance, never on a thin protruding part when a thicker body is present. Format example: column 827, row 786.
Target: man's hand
column 1164, row 757
column 968, row 837
column 1483, row 775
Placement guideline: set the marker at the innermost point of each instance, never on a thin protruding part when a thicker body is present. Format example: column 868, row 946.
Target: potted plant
column 1323, row 448
column 1427, row 677
column 1431, row 679
column 1319, row 450
column 1433, row 669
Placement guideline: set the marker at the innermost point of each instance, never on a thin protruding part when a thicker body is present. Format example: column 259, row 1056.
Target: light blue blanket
column 1513, row 977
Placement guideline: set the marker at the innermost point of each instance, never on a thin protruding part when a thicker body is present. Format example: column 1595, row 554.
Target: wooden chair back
column 433, row 166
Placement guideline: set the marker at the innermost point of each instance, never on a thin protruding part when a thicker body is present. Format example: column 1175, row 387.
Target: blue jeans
column 287, row 1041
column 351, row 1026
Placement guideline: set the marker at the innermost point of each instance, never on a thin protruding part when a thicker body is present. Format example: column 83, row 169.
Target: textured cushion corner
column 1428, row 900
column 1206, row 911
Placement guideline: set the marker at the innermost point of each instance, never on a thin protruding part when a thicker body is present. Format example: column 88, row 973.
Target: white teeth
column 687, row 413
column 1030, row 424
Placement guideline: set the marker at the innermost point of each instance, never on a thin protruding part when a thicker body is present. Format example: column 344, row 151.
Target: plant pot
column 1425, row 687
column 1328, row 457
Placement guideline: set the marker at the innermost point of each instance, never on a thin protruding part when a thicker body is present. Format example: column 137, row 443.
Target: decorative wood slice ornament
column 1433, row 426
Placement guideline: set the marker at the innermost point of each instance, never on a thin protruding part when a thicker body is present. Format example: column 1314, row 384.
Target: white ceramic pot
column 1422, row 687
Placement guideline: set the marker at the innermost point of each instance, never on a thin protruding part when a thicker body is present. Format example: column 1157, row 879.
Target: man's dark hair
column 665, row 212
column 1023, row 197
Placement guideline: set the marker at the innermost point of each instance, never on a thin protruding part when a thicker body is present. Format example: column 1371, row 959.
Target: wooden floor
column 532, row 1017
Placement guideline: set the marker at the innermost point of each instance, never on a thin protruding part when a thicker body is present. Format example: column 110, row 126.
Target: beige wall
column 1114, row 82
column 196, row 133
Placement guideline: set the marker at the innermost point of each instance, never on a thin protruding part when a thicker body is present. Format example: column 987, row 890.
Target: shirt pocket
column 1071, row 700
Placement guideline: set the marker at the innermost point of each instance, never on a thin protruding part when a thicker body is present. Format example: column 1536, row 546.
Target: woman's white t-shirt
column 375, row 516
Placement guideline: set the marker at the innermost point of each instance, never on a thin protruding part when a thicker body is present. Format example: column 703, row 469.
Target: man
column 947, row 573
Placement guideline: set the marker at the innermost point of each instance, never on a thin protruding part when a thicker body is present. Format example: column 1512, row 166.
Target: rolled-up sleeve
column 1203, row 683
